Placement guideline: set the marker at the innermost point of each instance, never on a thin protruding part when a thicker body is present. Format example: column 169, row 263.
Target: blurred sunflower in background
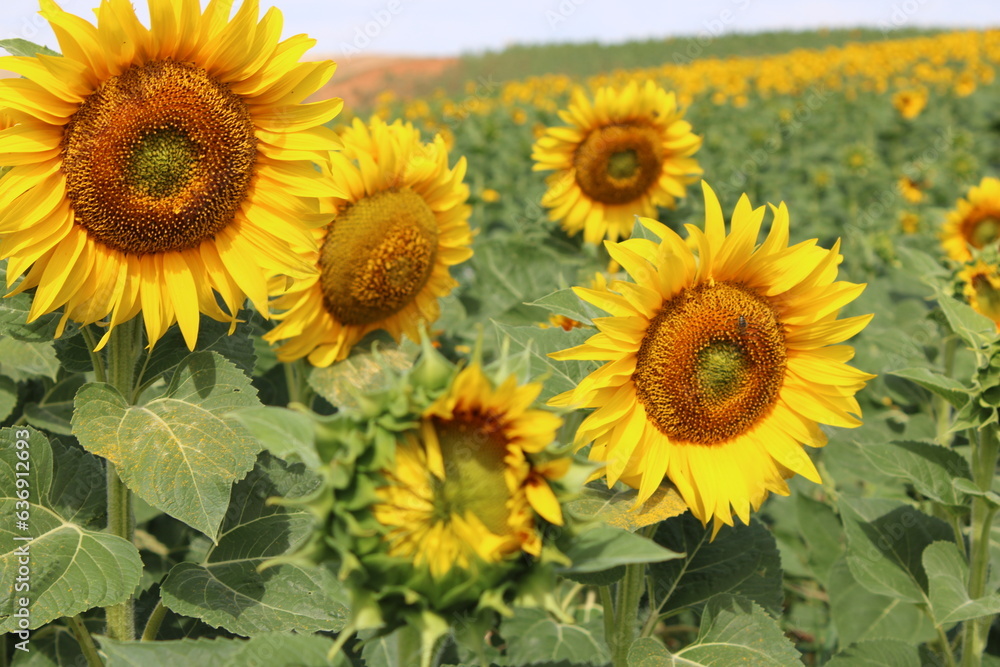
column 909, row 103
column 384, row 260
column 982, row 289
column 621, row 155
column 974, row 223
column 721, row 362
column 156, row 168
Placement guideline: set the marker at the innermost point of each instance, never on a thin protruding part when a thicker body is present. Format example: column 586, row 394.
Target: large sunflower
column 974, row 222
column 622, row 155
column 156, row 169
column 721, row 361
column 383, row 261
column 982, row 289
column 466, row 489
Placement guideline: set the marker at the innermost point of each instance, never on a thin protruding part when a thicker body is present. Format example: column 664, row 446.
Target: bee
column 741, row 325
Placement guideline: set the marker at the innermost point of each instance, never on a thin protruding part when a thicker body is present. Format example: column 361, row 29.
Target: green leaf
column 22, row 47
column 362, row 372
column 920, row 263
column 171, row 350
column 70, row 568
column 736, row 631
column 561, row 375
column 974, row 328
column 566, row 302
column 57, row 648
column 885, row 540
column 532, row 636
column 272, row 649
column 8, row 397
column 227, row 590
column 287, row 434
column 648, row 652
column 877, row 653
column 742, row 560
column 603, row 547
column 20, row 360
column 55, row 411
column 617, row 508
column 14, row 310
column 930, row 468
column 179, row 452
column 73, row 354
column 948, row 574
column 947, row 388
column 860, row 614
column 822, row 532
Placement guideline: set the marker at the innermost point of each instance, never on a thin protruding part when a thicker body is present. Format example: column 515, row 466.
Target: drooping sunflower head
column 722, row 359
column 621, row 155
column 974, row 223
column 466, row 491
column 982, row 289
column 156, row 169
column 384, row 260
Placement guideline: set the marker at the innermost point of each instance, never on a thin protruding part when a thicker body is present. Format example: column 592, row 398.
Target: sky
column 451, row 27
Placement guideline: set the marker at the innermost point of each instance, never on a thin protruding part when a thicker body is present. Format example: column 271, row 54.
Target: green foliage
column 279, row 650
column 179, row 452
column 82, row 567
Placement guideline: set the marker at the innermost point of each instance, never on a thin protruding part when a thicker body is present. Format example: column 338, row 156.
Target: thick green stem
column 100, row 374
column 154, row 622
column 297, row 379
column 609, row 615
column 85, row 641
column 123, row 351
column 627, row 612
column 984, row 461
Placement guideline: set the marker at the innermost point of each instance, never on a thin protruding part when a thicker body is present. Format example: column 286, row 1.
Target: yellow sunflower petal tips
column 384, row 260
column 974, row 223
column 621, row 155
column 720, row 362
column 154, row 169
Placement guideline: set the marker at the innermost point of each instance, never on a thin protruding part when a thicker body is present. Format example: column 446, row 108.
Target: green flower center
column 623, row 164
column 720, row 369
column 162, row 162
column 474, row 482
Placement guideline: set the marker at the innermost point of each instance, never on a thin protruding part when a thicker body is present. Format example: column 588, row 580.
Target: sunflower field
column 695, row 364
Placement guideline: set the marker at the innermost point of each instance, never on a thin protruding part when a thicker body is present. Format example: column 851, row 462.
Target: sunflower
column 912, row 191
column 466, row 488
column 157, row 169
column 909, row 103
column 383, row 261
column 623, row 155
column 721, row 361
column 974, row 222
column 982, row 289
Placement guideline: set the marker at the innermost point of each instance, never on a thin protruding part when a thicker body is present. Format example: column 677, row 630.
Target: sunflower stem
column 123, row 351
column 984, row 462
column 627, row 612
column 86, row 642
column 609, row 615
column 297, row 379
column 100, row 374
column 942, row 408
column 155, row 621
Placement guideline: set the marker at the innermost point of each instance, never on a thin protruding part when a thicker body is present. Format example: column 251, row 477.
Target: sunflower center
column 711, row 363
column 162, row 162
column 377, row 256
column 474, row 481
column 985, row 232
column 618, row 164
column 159, row 158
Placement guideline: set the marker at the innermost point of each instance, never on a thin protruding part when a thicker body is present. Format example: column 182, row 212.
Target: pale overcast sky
column 451, row 27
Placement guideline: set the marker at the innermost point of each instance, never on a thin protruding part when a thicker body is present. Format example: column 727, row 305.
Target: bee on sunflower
column 722, row 359
column 157, row 169
column 623, row 154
